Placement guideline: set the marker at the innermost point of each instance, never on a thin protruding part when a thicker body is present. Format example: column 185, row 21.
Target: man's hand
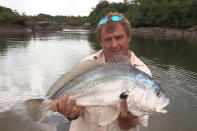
column 126, row 119
column 66, row 107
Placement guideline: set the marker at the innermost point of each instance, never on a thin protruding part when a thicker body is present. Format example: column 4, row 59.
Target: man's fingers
column 68, row 109
column 81, row 110
column 72, row 102
column 63, row 102
column 123, row 108
column 74, row 112
column 70, row 106
column 54, row 105
column 77, row 110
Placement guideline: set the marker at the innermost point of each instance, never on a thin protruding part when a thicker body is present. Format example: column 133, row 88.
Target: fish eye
column 158, row 93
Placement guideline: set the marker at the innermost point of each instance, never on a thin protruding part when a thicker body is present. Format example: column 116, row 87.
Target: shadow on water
column 177, row 52
column 16, row 41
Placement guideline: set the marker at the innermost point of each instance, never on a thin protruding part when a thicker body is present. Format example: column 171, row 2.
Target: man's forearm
column 126, row 123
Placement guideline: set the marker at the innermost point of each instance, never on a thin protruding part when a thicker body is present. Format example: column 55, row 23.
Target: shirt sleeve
column 139, row 64
column 144, row 68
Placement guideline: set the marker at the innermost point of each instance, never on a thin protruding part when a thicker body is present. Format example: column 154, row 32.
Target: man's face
column 115, row 43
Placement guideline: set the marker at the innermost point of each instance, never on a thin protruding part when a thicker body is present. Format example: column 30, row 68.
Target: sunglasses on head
column 113, row 18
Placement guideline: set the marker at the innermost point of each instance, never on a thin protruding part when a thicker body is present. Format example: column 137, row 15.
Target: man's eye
column 119, row 37
column 107, row 40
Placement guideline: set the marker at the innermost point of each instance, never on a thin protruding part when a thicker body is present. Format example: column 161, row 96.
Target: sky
column 53, row 7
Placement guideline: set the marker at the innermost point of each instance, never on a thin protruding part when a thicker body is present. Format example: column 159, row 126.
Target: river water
column 30, row 64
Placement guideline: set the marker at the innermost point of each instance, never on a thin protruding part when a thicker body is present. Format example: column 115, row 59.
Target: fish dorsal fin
column 83, row 67
column 108, row 114
column 119, row 59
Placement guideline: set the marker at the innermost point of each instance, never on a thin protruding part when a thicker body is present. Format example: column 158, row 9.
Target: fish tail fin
column 37, row 108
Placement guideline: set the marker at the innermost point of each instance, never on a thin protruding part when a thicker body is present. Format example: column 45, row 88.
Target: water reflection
column 168, row 52
column 6, row 42
column 92, row 38
column 3, row 47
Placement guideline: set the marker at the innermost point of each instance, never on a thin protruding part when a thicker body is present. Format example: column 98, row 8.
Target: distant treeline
column 141, row 13
column 151, row 13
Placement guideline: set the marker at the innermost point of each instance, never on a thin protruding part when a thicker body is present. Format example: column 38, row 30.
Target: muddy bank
column 13, row 29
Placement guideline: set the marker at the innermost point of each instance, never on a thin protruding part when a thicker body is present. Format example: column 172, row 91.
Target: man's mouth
column 116, row 50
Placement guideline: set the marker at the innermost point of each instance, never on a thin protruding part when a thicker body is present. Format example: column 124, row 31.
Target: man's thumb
column 123, row 108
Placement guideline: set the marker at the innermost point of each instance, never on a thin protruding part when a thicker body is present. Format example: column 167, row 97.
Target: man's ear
column 101, row 44
column 129, row 38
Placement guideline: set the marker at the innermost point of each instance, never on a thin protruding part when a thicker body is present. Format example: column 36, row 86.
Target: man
column 114, row 36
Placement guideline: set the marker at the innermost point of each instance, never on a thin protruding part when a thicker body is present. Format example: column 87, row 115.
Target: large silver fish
column 94, row 84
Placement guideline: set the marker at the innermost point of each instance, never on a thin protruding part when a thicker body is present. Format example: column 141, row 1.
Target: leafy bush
column 7, row 16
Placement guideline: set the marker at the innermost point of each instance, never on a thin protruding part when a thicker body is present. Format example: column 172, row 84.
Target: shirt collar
column 99, row 57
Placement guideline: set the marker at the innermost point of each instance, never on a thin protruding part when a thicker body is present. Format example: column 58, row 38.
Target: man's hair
column 110, row 25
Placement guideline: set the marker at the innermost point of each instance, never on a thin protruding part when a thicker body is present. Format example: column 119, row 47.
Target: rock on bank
column 30, row 26
column 43, row 26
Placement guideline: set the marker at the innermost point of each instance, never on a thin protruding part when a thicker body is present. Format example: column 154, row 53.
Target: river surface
column 29, row 65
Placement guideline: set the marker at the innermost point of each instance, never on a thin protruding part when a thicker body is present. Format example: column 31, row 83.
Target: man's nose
column 114, row 43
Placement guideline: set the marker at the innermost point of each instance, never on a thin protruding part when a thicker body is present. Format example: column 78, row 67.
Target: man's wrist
column 126, row 123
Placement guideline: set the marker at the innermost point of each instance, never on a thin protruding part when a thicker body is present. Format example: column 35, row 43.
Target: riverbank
column 30, row 26
column 163, row 33
column 43, row 26
column 150, row 31
column 6, row 29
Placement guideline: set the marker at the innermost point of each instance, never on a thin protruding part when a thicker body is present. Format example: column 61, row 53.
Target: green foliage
column 64, row 20
column 195, row 27
column 151, row 13
column 7, row 16
column 75, row 20
column 103, row 8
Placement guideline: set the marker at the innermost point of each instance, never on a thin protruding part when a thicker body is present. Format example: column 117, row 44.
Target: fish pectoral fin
column 108, row 114
column 143, row 120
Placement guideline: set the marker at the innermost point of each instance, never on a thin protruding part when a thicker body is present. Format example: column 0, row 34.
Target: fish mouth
column 160, row 109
